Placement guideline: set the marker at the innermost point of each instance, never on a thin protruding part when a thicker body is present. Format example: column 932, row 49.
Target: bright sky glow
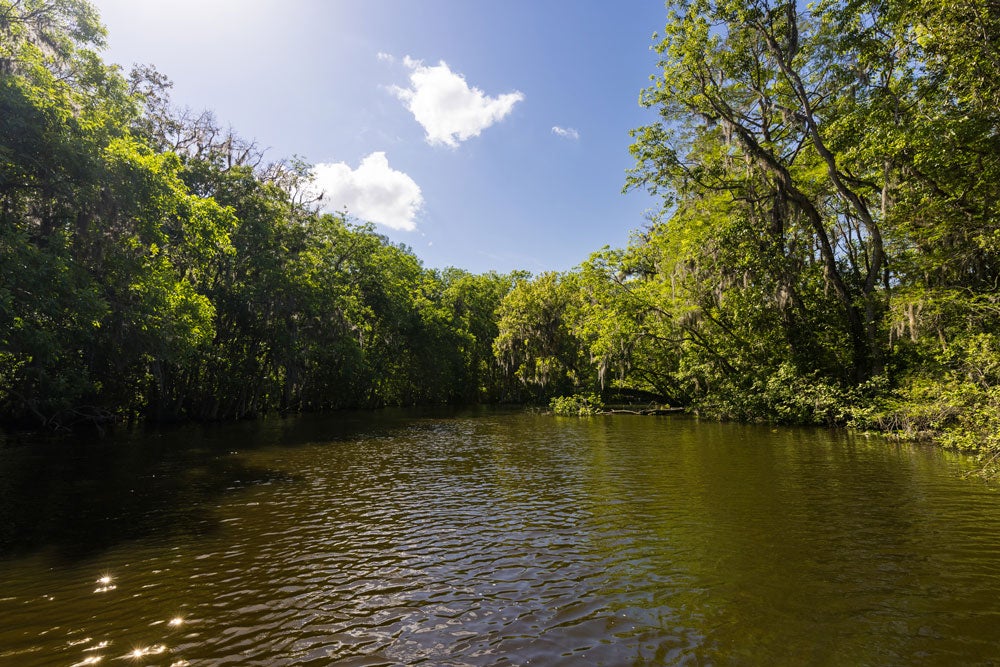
column 483, row 135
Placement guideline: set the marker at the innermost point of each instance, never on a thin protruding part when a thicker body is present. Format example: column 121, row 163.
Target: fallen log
column 647, row 411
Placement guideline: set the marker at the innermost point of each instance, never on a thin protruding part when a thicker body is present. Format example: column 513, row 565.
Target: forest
column 826, row 251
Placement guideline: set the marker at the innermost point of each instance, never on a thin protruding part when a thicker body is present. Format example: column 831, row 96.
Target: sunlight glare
column 142, row 651
column 106, row 583
column 91, row 660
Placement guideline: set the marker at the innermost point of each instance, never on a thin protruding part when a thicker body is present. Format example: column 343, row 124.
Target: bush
column 577, row 405
column 782, row 397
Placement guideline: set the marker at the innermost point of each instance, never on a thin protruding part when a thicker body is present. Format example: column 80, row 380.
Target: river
column 495, row 538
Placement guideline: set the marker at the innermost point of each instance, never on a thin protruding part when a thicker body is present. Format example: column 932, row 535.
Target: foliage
column 827, row 251
column 784, row 397
column 828, row 232
column 536, row 342
column 152, row 266
column 577, row 405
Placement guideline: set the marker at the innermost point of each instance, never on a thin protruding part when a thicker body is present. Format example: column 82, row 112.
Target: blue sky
column 484, row 135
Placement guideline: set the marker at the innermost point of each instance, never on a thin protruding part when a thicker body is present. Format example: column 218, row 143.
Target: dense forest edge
column 826, row 251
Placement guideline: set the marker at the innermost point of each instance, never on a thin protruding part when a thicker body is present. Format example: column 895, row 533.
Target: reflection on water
column 496, row 539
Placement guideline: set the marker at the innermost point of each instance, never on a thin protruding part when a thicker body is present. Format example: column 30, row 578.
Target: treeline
column 153, row 266
column 827, row 250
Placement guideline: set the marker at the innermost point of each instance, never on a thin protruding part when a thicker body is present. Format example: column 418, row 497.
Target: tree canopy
column 827, row 246
column 156, row 267
column 826, row 250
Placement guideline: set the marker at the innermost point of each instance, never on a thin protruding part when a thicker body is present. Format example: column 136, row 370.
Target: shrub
column 577, row 405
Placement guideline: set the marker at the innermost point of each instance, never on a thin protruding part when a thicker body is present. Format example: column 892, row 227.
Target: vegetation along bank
column 826, row 252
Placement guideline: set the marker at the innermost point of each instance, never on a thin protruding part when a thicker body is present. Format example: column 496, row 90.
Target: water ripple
column 527, row 540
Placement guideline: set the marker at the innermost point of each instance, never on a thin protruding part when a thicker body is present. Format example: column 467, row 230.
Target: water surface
column 491, row 538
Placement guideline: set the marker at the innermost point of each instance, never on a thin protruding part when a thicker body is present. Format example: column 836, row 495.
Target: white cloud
column 374, row 191
column 385, row 57
column 447, row 108
column 566, row 132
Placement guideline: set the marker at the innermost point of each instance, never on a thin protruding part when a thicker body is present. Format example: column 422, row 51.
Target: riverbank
column 971, row 429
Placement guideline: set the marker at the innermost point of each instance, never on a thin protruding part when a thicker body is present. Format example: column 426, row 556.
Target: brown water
column 486, row 538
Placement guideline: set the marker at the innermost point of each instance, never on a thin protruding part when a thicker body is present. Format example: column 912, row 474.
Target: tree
column 749, row 100
column 472, row 302
column 536, row 342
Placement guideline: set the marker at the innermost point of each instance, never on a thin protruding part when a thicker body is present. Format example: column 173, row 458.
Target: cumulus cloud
column 447, row 108
column 565, row 132
column 374, row 191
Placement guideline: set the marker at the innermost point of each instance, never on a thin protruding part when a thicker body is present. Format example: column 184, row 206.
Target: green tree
column 536, row 342
column 472, row 302
column 102, row 242
column 749, row 96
